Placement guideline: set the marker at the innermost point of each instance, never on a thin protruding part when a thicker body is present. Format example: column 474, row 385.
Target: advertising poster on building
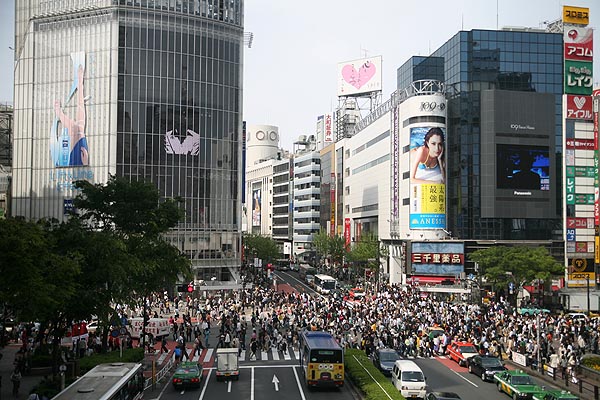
column 359, row 76
column 427, row 178
column 347, row 237
column 256, row 207
column 437, row 258
column 328, row 128
column 579, row 43
column 580, row 271
column 68, row 142
column 578, row 77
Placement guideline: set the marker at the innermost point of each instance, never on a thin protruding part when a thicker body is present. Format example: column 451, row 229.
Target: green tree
column 135, row 218
column 262, row 247
column 332, row 247
column 38, row 281
column 520, row 264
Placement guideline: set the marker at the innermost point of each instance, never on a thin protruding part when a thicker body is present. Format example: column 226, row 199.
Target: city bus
column 324, row 283
column 116, row 381
column 321, row 359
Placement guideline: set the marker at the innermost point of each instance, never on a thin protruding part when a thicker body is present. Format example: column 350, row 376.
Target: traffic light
column 190, row 287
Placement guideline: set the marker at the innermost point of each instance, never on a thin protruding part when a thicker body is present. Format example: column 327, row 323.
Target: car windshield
column 522, row 380
column 187, row 370
column 467, row 349
column 491, row 362
column 412, row 376
column 388, row 356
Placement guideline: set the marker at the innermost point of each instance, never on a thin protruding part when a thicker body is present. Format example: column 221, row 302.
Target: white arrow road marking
column 229, row 387
column 276, row 383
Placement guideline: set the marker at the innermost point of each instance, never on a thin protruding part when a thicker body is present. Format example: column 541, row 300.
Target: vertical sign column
column 581, row 149
column 395, row 137
column 596, row 107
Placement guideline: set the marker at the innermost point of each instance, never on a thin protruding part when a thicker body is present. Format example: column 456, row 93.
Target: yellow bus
column 321, row 359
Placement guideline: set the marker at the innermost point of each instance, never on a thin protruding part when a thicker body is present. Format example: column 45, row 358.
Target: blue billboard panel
column 437, row 258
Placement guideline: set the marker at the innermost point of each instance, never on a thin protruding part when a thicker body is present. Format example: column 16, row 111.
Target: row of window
column 371, row 142
column 229, row 11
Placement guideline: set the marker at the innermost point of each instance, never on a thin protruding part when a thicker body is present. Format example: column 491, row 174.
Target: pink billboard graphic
column 359, row 76
column 579, row 44
column 579, row 107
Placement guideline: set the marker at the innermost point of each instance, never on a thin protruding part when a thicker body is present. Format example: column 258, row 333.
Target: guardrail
column 587, row 388
column 149, row 382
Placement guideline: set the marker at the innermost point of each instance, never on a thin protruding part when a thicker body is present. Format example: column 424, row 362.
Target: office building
column 141, row 90
column 485, row 69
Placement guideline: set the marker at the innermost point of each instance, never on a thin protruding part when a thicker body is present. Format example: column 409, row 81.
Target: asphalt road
column 282, row 379
column 270, row 380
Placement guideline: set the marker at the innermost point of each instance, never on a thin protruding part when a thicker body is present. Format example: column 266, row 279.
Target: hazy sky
column 290, row 71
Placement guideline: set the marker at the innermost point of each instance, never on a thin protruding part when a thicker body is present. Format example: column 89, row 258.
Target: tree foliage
column 332, row 247
column 366, row 252
column 520, row 264
column 36, row 280
column 262, row 247
column 112, row 252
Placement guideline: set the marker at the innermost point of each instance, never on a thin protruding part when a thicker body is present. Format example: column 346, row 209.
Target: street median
column 367, row 378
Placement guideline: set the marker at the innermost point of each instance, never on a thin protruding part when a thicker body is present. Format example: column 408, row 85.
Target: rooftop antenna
column 364, row 51
column 496, row 14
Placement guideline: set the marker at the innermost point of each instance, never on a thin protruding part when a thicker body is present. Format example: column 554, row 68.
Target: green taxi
column 517, row 384
column 187, row 374
column 555, row 394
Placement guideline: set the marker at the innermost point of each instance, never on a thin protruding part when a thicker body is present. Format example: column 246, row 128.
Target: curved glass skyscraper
column 140, row 89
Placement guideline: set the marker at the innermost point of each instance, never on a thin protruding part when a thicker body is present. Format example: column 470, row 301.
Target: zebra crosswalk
column 206, row 356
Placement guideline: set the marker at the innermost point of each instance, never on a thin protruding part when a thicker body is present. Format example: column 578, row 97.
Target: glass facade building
column 475, row 61
column 154, row 89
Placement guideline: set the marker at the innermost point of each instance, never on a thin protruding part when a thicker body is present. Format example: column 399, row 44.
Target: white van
column 158, row 327
column 408, row 378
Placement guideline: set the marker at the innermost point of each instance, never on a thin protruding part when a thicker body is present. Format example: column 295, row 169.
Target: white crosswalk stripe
column 208, row 355
column 264, row 355
column 275, row 354
column 287, row 356
column 242, row 356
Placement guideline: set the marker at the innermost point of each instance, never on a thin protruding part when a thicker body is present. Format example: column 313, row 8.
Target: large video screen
column 522, row 167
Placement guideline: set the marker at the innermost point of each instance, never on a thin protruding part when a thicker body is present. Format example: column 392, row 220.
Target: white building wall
column 262, row 143
column 260, row 175
column 367, row 185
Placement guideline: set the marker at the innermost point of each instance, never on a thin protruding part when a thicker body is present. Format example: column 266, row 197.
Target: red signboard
column 581, row 247
column 579, row 44
column 579, row 107
column 347, row 231
column 580, row 144
column 586, row 223
column 438, row 258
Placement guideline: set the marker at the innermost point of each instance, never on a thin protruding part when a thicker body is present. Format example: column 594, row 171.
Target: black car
column 442, row 396
column 384, row 359
column 485, row 367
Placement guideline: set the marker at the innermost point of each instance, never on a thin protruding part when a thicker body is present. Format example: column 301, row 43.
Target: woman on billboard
column 427, row 161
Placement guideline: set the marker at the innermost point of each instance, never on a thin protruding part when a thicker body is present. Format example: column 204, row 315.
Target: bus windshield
column 326, row 356
column 330, row 285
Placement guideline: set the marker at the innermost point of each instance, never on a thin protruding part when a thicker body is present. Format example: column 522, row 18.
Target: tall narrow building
column 138, row 89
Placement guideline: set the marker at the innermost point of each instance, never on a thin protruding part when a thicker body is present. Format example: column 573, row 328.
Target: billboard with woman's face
column 427, row 178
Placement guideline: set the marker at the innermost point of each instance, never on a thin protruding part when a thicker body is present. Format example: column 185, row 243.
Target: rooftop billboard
column 359, row 76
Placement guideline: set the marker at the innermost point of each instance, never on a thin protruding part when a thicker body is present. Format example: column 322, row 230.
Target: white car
column 577, row 316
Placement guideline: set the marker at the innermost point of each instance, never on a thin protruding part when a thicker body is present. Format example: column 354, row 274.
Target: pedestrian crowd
column 397, row 317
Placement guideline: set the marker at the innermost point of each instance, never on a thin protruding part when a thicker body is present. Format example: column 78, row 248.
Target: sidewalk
column 28, row 382
column 564, row 384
